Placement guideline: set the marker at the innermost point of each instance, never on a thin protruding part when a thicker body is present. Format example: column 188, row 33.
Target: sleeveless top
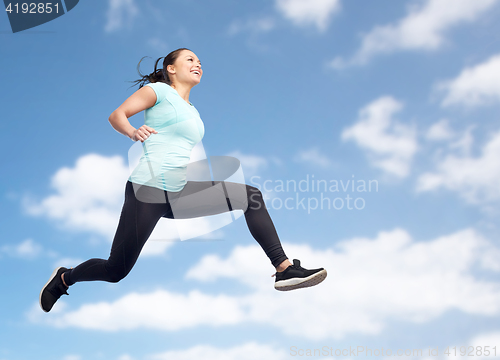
column 165, row 156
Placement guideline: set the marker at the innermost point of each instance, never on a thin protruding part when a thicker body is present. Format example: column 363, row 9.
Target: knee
column 255, row 199
column 116, row 275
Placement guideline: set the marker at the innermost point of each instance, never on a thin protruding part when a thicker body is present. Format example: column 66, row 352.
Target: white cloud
column 120, row 12
column 370, row 283
column 313, row 156
column 311, row 12
column 390, row 145
column 475, row 179
column 390, row 277
column 440, row 131
column 28, row 249
column 474, row 86
column 212, row 267
column 423, row 28
column 162, row 310
column 72, row 357
column 248, row 351
column 88, row 197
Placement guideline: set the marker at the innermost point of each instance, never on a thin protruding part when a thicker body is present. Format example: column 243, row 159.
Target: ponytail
column 158, row 75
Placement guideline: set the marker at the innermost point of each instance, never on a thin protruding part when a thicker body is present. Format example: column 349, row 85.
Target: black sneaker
column 296, row 277
column 53, row 290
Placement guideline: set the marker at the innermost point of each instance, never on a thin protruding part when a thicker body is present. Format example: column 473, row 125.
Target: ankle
column 282, row 267
column 64, row 282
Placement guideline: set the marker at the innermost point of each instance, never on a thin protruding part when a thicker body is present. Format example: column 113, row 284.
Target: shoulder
column 161, row 90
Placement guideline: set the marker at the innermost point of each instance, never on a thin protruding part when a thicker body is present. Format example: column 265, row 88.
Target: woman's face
column 187, row 68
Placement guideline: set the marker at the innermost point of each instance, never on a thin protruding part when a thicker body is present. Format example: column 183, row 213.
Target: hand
column 143, row 133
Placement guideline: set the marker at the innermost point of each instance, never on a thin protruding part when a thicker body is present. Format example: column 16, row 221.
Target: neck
column 183, row 90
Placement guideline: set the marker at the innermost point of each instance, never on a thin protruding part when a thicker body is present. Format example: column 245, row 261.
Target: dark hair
column 158, row 75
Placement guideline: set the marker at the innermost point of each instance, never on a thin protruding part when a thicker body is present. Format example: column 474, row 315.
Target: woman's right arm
column 142, row 99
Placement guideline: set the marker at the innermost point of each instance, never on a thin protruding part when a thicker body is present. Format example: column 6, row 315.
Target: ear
column 170, row 69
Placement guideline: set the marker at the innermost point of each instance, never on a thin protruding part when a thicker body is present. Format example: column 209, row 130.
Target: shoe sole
column 51, row 278
column 297, row 283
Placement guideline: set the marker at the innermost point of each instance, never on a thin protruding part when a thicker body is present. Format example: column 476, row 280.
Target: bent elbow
column 111, row 117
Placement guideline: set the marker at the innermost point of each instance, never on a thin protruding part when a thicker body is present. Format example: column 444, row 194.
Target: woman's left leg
column 137, row 221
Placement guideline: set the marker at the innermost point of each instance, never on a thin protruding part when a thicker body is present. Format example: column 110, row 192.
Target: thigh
column 137, row 221
column 204, row 198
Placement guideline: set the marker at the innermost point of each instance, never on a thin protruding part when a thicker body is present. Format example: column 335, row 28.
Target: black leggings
column 145, row 205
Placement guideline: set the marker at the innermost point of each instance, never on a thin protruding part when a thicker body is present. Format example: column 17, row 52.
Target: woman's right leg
column 137, row 221
column 204, row 198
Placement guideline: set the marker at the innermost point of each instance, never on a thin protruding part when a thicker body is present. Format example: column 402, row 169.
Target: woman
column 158, row 188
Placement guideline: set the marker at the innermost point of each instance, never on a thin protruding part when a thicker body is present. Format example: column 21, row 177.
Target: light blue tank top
column 163, row 163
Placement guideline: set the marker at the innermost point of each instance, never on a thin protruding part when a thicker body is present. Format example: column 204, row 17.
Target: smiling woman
column 191, row 64
column 158, row 187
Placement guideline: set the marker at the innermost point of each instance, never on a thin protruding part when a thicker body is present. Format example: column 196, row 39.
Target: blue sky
column 403, row 94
